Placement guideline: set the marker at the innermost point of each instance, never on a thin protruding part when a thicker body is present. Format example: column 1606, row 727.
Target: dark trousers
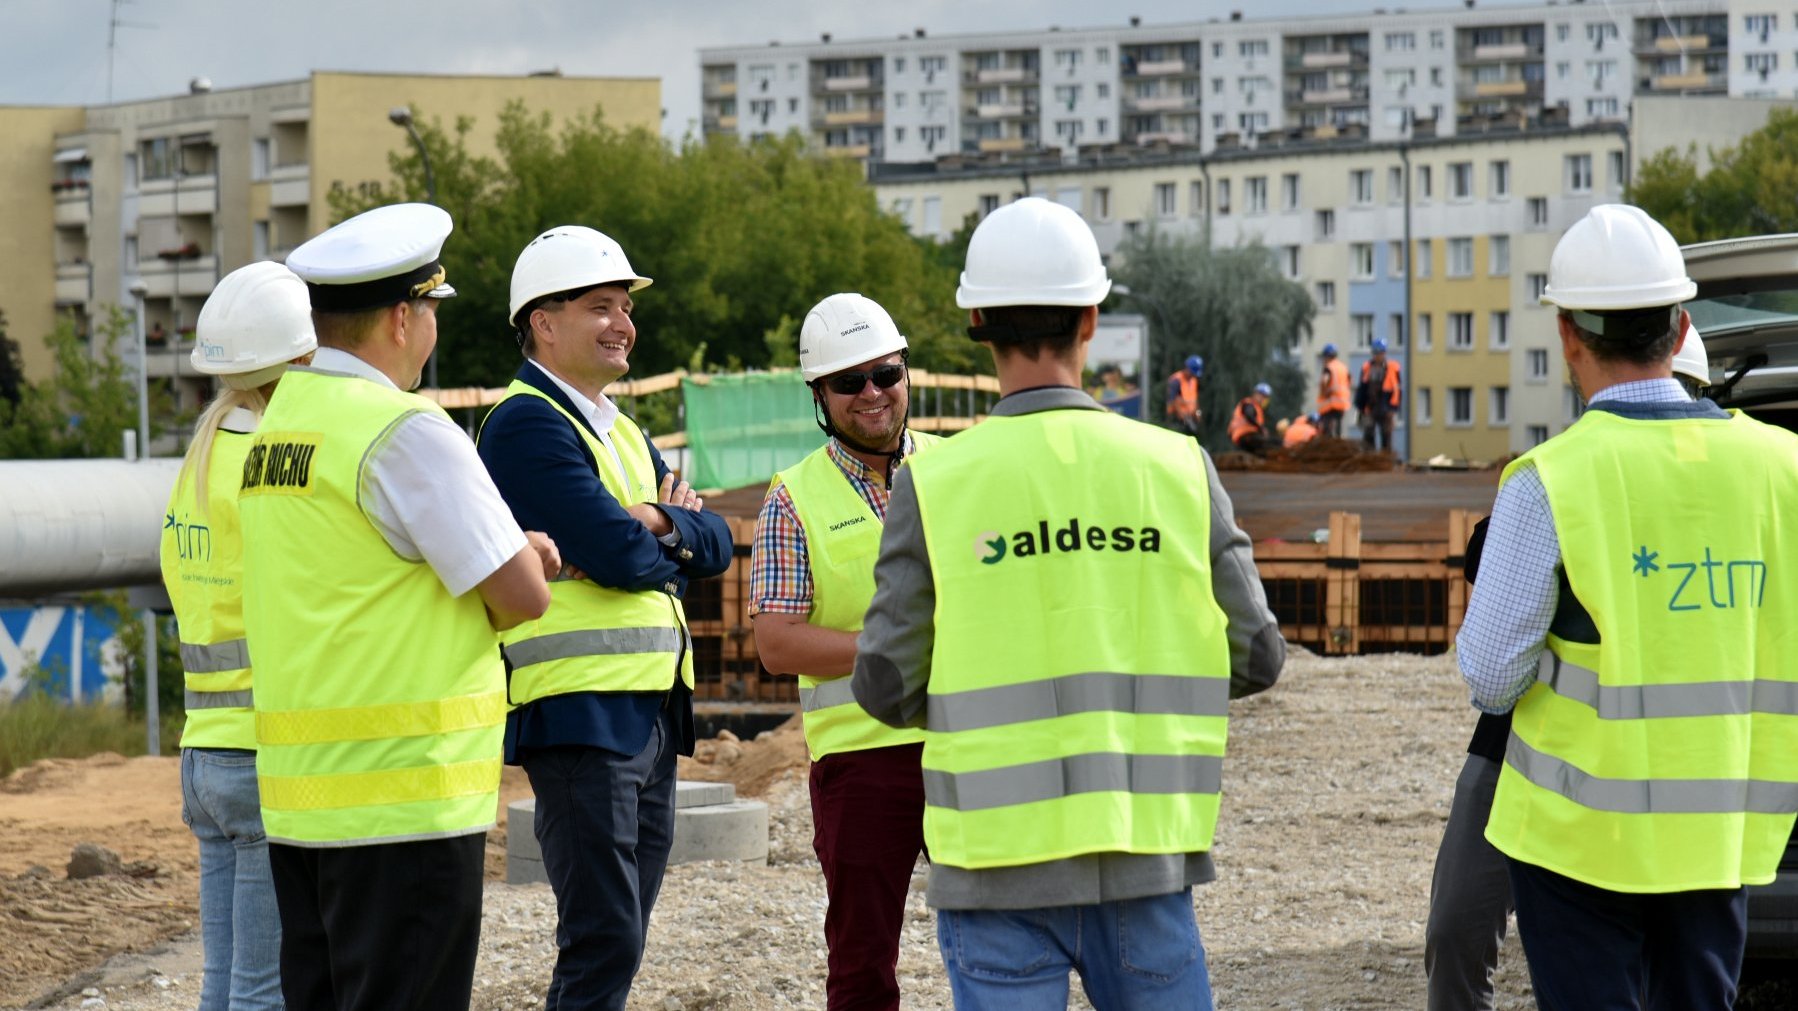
column 605, row 823
column 1253, row 442
column 1329, row 423
column 391, row 927
column 1470, row 898
column 1591, row 949
column 1376, row 430
column 868, row 829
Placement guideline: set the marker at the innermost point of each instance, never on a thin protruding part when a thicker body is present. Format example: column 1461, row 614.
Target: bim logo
column 991, row 547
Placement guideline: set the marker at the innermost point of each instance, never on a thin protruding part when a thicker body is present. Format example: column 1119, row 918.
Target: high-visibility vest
column 1187, row 403
column 1246, row 418
column 596, row 638
column 842, row 538
column 1300, row 432
column 202, row 567
column 1664, row 757
column 1390, row 387
column 1333, row 388
column 380, row 698
column 1080, row 671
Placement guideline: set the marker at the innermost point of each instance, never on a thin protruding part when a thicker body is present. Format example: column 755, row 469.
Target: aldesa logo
column 991, row 547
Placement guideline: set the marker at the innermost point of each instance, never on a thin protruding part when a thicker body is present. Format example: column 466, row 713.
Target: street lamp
column 138, row 290
column 401, row 116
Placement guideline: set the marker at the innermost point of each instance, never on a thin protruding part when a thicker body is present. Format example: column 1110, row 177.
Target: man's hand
column 546, row 552
column 680, row 496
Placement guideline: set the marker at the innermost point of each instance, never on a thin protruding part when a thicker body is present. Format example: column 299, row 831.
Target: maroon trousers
column 868, row 829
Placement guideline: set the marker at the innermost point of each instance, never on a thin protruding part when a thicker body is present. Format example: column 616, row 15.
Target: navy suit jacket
column 547, row 475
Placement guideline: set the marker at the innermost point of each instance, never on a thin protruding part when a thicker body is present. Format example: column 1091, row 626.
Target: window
column 1436, row 38
column 989, row 202
column 1572, row 404
column 1361, row 325
column 1103, row 127
column 1760, row 24
column 1538, row 434
column 1460, row 180
column 1426, row 332
column 1498, row 183
column 1252, row 122
column 1326, row 294
column 933, row 215
column 1538, row 212
column 1248, row 49
column 1067, row 95
column 1460, row 406
column 1425, row 258
column 1069, row 197
column 1254, row 195
column 1101, row 203
column 898, row 134
column 1562, row 69
column 1195, row 200
column 1361, row 187
column 1601, row 108
column 259, row 149
column 1164, row 200
column 1102, row 54
column 1067, row 58
column 1401, row 78
column 1423, row 182
column 1460, row 257
column 1579, row 173
column 1289, row 192
column 1068, row 130
column 1598, row 31
column 1421, row 412
column 1460, row 331
column 1498, row 255
column 1223, row 196
column 1103, row 88
column 1289, row 262
column 1615, row 170
column 1361, row 260
column 1765, row 63
column 1395, row 258
column 1435, row 77
column 1395, row 184
column 155, row 159
column 1498, row 331
column 1326, row 225
column 1538, row 284
column 1600, row 71
column 1498, row 402
column 932, row 136
column 1561, row 32
column 259, row 241
column 930, row 66
column 1396, row 328
column 898, row 99
column 1538, row 364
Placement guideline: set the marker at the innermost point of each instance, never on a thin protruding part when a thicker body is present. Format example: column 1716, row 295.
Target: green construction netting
column 742, row 429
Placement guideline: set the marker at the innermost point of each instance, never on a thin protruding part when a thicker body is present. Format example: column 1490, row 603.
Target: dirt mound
column 52, row 773
column 52, row 927
column 751, row 766
column 1319, row 456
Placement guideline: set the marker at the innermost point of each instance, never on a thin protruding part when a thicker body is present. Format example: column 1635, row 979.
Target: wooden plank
column 1343, row 590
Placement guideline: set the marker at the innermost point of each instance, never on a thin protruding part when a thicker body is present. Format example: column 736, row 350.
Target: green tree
column 86, row 404
column 737, row 236
column 1230, row 306
column 1751, row 188
column 12, row 369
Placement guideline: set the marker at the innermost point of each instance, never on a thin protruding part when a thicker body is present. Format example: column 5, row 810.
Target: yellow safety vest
column 595, row 638
column 380, row 698
column 202, row 567
column 1663, row 758
column 1080, row 676
column 842, row 538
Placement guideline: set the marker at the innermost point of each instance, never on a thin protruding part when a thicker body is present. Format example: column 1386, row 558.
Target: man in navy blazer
column 603, row 681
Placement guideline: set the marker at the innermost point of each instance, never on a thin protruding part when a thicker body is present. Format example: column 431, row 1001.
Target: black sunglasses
column 849, row 384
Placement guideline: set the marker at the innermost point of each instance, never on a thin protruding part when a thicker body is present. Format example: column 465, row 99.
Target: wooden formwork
column 1341, row 596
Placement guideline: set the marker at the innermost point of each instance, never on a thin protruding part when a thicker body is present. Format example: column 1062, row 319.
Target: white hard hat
column 1032, row 252
column 1617, row 257
column 1691, row 361
column 843, row 330
column 566, row 258
column 257, row 320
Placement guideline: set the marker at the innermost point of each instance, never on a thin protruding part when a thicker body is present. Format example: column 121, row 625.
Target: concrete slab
column 709, row 824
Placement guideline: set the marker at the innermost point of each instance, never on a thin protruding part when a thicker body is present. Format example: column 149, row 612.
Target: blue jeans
column 239, row 924
column 1136, row 954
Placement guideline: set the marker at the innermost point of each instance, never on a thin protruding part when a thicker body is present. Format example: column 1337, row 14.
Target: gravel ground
column 1335, row 794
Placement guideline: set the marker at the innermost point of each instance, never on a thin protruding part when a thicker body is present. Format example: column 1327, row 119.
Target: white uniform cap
column 377, row 258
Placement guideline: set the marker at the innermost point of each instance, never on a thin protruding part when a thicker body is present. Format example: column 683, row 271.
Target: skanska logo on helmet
column 858, row 328
column 992, row 547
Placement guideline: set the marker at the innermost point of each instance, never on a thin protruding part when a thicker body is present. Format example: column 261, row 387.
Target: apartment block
column 1243, row 82
column 177, row 192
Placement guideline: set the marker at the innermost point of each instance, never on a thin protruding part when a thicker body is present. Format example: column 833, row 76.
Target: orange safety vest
column 1187, row 403
column 1333, row 387
column 1300, row 432
column 1246, row 419
column 1390, row 385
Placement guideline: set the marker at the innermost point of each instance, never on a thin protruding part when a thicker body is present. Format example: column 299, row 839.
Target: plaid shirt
column 780, row 574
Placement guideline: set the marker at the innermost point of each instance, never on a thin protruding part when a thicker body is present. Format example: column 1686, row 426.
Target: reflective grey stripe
column 1063, row 777
column 219, row 656
column 593, row 642
column 1649, row 796
column 835, row 692
column 1639, row 702
column 1159, row 694
column 220, row 700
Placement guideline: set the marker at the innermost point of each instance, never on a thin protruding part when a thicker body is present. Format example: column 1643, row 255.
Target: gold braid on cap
column 429, row 283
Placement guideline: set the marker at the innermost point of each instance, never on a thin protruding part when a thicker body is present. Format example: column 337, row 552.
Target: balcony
column 161, row 198
column 290, row 185
column 852, row 117
column 1003, row 110
column 1160, row 68
column 1695, row 81
column 1162, row 103
column 1325, row 61
column 72, row 207
column 72, row 283
column 195, row 276
column 1175, row 138
column 1002, row 144
column 720, row 89
column 1671, row 44
column 849, row 151
column 1501, row 89
column 860, row 82
column 724, row 123
column 1004, row 75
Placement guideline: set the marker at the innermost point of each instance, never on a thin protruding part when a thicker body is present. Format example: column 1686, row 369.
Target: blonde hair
column 199, row 452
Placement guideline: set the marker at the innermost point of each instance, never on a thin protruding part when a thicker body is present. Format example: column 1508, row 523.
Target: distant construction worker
column 1064, row 603
column 1302, row 430
column 1248, row 423
column 1183, row 413
column 1651, row 759
column 379, row 562
column 255, row 323
column 1380, row 378
column 810, row 578
column 1691, row 366
column 1332, row 393
column 602, row 684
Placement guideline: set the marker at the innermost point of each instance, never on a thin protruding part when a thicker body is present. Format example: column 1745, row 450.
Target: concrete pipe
column 71, row 525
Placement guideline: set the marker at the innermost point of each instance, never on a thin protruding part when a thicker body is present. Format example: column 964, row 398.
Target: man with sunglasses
column 811, row 577
column 602, row 683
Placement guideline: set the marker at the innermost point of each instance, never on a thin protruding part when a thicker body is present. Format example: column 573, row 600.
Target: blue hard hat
column 1312, row 417
column 1329, row 349
column 1264, row 389
column 1195, row 364
column 1379, row 344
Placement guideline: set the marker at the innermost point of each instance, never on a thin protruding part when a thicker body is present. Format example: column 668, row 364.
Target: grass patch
column 36, row 726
